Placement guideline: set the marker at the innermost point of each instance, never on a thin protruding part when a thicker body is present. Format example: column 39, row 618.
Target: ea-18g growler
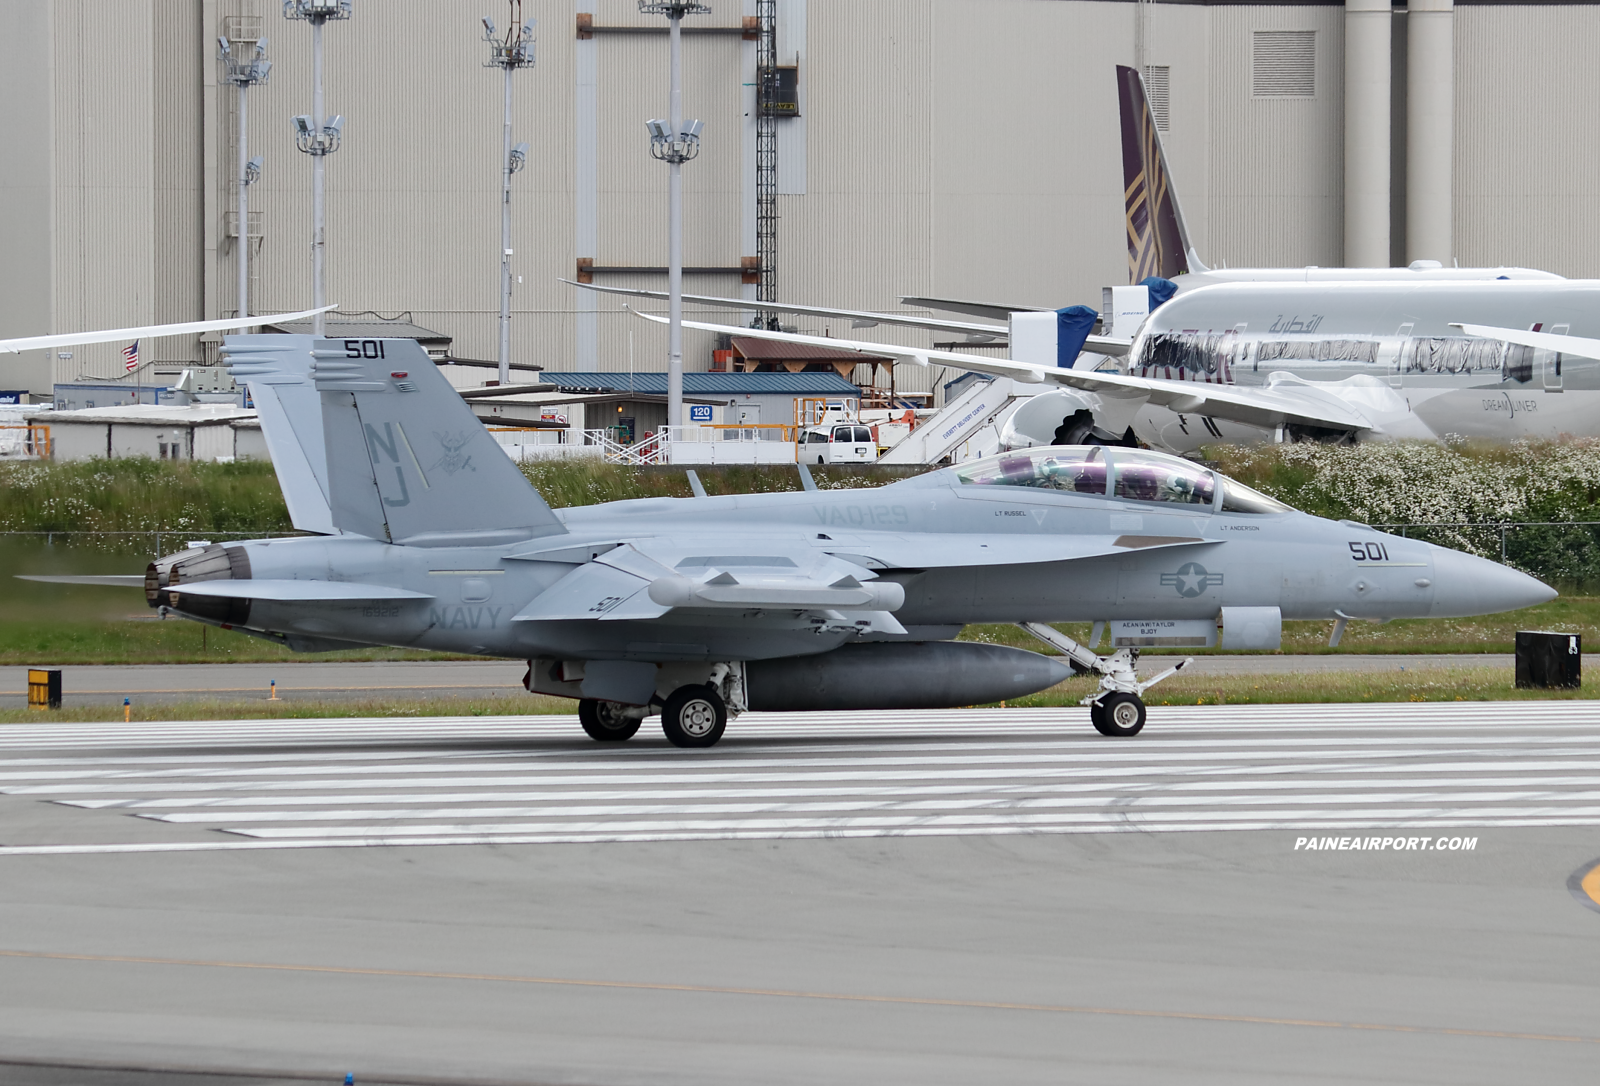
column 700, row 608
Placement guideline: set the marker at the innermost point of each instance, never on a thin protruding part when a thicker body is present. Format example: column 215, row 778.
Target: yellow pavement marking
column 780, row 993
column 1591, row 884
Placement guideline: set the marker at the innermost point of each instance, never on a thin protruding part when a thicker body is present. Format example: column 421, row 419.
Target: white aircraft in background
column 1247, row 355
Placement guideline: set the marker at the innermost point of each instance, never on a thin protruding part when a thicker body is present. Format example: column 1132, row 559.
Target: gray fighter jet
column 834, row 600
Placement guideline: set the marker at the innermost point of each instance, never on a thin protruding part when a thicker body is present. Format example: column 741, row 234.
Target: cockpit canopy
column 1135, row 474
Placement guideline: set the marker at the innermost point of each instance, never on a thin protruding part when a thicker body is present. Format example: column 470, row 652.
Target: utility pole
column 514, row 51
column 767, row 159
column 674, row 143
column 318, row 138
column 244, row 73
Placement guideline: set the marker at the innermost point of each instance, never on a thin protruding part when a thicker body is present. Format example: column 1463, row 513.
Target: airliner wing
column 1107, row 345
column 1584, row 348
column 113, row 335
column 1296, row 403
column 962, row 327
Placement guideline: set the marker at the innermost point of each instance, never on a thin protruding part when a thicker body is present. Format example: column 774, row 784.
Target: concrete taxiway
column 995, row 896
column 107, row 684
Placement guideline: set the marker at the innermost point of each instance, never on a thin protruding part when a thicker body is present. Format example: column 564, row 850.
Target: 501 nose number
column 1369, row 552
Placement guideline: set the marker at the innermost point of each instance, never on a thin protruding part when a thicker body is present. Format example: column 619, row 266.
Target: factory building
column 946, row 148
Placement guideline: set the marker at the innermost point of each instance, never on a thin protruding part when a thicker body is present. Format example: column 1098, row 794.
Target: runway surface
column 939, row 897
column 107, row 684
column 1422, row 767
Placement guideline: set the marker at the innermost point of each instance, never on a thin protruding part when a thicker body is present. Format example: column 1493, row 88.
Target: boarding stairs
column 962, row 421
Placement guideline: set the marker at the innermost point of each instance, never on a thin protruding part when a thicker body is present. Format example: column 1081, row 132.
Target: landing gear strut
column 1116, row 709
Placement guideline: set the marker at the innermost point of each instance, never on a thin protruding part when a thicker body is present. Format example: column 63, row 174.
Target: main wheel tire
column 1117, row 715
column 694, row 716
column 607, row 721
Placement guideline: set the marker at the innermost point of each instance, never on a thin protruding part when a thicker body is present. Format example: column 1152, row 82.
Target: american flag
column 130, row 355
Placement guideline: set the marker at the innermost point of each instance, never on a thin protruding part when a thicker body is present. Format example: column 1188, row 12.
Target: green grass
column 289, row 709
column 1413, row 684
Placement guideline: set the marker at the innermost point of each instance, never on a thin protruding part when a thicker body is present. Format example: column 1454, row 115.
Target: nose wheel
column 694, row 716
column 1117, row 714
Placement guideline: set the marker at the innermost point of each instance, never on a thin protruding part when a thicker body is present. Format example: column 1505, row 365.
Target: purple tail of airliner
column 1158, row 243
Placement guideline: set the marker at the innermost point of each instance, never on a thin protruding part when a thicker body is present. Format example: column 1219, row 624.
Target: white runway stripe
column 1457, row 716
column 216, row 786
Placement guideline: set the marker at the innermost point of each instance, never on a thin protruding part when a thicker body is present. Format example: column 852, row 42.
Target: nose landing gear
column 1116, row 709
column 1117, row 714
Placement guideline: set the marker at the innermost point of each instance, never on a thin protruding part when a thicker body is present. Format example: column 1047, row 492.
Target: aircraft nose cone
column 1464, row 584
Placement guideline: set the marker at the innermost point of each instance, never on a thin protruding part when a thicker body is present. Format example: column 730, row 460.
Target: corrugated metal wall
column 104, row 242
column 1527, row 164
column 1276, row 164
column 26, row 192
column 952, row 148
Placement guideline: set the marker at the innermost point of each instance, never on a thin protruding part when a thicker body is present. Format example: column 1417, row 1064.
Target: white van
column 845, row 443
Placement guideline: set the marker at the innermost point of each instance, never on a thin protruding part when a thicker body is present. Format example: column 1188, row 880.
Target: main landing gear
column 609, row 721
column 694, row 715
column 1116, row 709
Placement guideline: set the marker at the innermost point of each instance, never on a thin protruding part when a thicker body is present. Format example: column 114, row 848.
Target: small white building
column 159, row 431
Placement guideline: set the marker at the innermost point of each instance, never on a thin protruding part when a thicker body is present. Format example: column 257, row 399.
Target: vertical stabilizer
column 407, row 459
column 1158, row 240
column 277, row 371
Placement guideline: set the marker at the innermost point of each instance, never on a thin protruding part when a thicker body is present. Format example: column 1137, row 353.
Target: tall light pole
column 318, row 138
column 513, row 51
column 244, row 73
column 674, row 143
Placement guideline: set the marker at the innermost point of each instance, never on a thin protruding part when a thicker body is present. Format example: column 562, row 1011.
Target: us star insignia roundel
column 1191, row 579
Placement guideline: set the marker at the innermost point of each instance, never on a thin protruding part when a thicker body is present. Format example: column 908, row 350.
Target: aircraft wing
column 115, row 580
column 113, row 335
column 1107, row 345
column 961, row 327
column 1294, row 402
column 1584, row 348
column 990, row 310
column 294, row 591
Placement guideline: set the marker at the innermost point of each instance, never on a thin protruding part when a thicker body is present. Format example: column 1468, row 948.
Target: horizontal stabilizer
column 117, row 580
column 294, row 591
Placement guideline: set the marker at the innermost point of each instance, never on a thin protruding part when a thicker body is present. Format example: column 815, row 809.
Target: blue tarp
column 1161, row 290
column 1073, row 325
